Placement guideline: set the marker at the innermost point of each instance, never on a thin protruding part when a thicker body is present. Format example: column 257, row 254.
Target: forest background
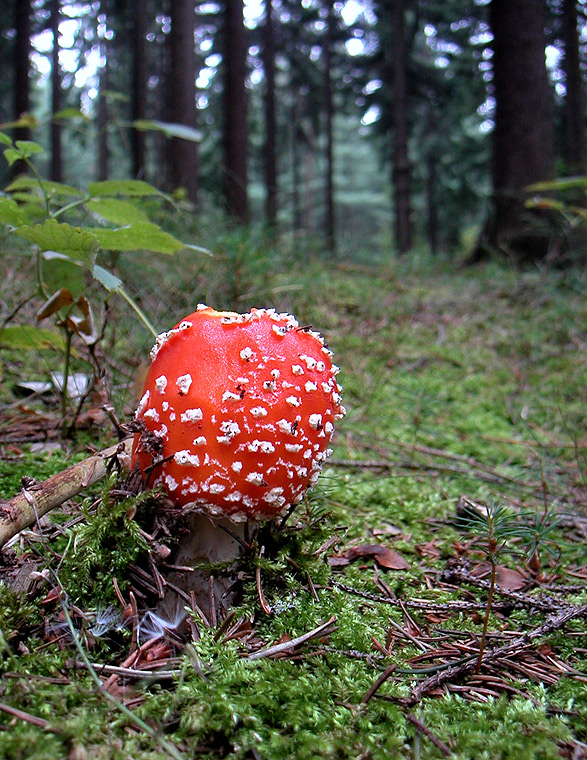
column 392, row 124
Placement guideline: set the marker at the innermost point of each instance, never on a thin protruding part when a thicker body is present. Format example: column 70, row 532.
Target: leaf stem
column 138, row 311
column 37, row 176
column 66, row 366
column 487, row 610
column 69, row 206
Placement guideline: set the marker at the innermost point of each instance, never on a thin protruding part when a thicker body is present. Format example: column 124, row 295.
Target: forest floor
column 359, row 633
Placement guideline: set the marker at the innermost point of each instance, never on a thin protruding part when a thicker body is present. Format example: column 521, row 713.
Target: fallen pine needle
column 326, row 627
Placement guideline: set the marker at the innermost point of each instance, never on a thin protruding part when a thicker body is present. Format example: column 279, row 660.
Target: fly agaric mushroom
column 244, row 407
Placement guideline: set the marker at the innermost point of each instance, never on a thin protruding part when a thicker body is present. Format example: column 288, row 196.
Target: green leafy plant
column 70, row 258
column 497, row 525
column 492, row 527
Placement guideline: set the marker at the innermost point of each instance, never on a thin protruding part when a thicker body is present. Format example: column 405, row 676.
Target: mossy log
column 35, row 500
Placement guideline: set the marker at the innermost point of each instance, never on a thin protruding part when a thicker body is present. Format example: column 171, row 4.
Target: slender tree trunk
column 329, row 114
column 295, row 169
column 235, row 113
column 574, row 117
column 162, row 146
column 184, row 155
column 270, row 118
column 21, row 92
column 401, row 162
column 431, row 202
column 523, row 138
column 102, row 122
column 56, row 163
column 139, row 95
column 431, row 185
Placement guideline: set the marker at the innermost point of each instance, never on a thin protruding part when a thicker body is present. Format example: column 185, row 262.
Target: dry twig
column 33, row 502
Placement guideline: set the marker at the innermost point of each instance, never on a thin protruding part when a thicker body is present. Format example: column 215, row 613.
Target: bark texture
column 139, row 94
column 329, row 119
column 184, row 153
column 235, row 113
column 21, row 92
column 56, row 162
column 574, row 119
column 270, row 118
column 103, row 157
column 401, row 161
column 523, row 138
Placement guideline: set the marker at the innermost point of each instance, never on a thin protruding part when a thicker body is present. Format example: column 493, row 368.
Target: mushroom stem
column 207, row 542
column 34, row 501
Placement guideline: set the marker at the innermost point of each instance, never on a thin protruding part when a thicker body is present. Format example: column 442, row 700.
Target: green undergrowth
column 464, row 384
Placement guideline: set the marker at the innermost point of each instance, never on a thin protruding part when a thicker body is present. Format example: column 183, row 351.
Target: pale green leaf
column 141, row 236
column 61, row 272
column 110, row 281
column 70, row 113
column 117, row 211
column 28, row 121
column 11, row 155
column 28, row 148
column 169, row 129
column 114, row 285
column 112, row 96
column 11, row 213
column 5, row 139
column 28, row 337
column 563, row 183
column 129, row 187
column 51, row 188
column 76, row 243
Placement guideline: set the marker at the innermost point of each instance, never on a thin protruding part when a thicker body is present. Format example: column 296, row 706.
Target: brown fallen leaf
column 428, row 549
column 510, row 580
column 383, row 555
column 506, row 578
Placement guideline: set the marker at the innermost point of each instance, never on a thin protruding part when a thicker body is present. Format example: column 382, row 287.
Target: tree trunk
column 235, row 113
column 523, row 138
column 574, row 120
column 401, row 162
column 431, row 202
column 56, row 163
column 329, row 114
column 270, row 119
column 431, row 184
column 295, row 169
column 162, row 107
column 182, row 90
column 21, row 92
column 139, row 95
column 102, row 122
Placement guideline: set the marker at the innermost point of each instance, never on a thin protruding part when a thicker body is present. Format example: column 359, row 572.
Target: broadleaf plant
column 69, row 257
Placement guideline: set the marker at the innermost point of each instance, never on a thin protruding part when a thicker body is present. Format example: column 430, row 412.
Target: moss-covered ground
column 457, row 384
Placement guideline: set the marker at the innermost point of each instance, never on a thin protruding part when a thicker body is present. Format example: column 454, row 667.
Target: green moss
column 483, row 366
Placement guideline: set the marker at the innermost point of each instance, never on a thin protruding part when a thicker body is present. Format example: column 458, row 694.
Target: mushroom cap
column 244, row 405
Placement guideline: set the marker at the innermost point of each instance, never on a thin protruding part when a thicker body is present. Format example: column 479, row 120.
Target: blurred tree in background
column 371, row 124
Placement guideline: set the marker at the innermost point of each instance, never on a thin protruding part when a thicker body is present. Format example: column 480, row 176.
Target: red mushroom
column 244, row 406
